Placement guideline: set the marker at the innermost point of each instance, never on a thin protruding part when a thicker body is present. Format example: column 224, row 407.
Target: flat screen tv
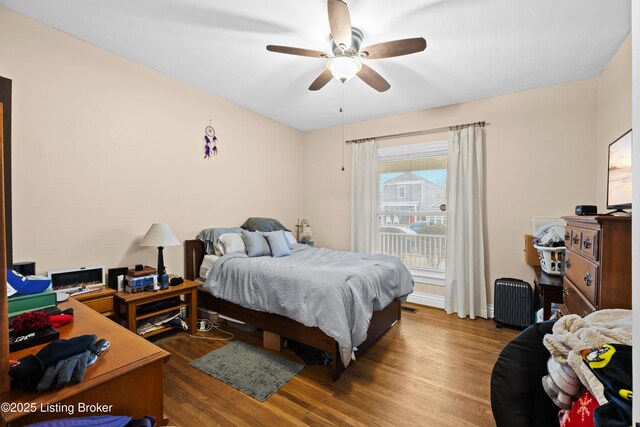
column 619, row 176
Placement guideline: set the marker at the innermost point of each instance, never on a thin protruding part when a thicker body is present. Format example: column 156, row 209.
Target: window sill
column 429, row 277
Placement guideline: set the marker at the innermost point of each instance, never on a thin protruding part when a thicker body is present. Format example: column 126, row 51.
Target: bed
column 380, row 320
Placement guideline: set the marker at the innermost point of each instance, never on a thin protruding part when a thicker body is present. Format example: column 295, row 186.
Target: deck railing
column 415, row 250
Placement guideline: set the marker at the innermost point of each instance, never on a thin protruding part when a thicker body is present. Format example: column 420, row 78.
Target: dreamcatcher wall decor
column 210, row 142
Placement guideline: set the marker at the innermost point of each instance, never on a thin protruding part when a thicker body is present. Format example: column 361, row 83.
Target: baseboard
column 437, row 301
column 430, row 300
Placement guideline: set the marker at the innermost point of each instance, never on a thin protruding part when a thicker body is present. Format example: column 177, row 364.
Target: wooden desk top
column 148, row 296
column 127, row 352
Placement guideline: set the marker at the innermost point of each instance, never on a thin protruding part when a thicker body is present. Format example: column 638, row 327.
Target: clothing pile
column 550, row 235
column 57, row 363
column 590, row 366
column 99, row 421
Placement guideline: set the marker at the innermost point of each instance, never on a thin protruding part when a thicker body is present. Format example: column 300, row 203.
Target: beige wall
column 103, row 147
column 614, row 112
column 536, row 142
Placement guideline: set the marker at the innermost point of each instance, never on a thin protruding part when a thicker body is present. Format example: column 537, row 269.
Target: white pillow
column 292, row 240
column 218, row 249
column 232, row 243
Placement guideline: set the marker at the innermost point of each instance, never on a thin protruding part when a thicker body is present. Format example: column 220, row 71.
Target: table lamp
column 304, row 230
column 160, row 235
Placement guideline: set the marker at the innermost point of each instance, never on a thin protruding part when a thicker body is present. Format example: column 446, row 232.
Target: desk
column 548, row 288
column 128, row 376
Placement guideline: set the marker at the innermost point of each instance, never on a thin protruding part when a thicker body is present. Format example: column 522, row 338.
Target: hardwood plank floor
column 430, row 369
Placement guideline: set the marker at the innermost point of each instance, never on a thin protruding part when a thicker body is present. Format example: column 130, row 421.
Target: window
column 411, row 216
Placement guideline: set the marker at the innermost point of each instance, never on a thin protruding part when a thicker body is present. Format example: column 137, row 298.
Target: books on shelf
column 158, row 322
column 146, row 271
column 141, row 283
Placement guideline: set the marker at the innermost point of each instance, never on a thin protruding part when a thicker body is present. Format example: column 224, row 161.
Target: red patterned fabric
column 30, row 322
column 581, row 413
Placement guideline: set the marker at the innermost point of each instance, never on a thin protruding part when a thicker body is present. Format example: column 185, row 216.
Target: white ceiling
column 475, row 48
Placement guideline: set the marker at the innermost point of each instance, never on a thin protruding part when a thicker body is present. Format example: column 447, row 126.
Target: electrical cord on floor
column 206, row 325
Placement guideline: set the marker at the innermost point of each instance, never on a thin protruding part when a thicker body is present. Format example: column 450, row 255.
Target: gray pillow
column 263, row 224
column 278, row 243
column 210, row 236
column 256, row 244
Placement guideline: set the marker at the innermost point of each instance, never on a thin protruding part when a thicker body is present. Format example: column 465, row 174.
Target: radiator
column 513, row 303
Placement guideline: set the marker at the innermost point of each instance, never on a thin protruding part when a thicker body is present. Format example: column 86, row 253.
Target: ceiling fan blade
column 394, row 48
column 340, row 23
column 297, row 51
column 373, row 79
column 321, row 80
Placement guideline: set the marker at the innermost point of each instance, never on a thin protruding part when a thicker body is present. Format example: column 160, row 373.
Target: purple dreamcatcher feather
column 210, row 142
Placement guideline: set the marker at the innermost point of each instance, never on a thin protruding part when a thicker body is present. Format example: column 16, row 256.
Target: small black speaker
column 27, row 268
column 586, row 210
column 176, row 281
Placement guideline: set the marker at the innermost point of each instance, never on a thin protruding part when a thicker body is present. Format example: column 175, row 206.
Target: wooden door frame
column 5, row 98
column 4, row 303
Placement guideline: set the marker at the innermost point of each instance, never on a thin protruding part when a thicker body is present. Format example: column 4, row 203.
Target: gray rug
column 248, row 369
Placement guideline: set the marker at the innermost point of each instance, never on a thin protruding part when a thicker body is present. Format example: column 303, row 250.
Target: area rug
column 248, row 369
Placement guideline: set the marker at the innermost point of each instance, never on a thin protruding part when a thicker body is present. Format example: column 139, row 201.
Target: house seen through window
column 412, row 216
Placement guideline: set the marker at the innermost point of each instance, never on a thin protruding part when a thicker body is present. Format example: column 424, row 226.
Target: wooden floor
column 430, row 369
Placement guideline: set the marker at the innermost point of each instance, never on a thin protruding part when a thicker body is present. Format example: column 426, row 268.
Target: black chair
column 517, row 396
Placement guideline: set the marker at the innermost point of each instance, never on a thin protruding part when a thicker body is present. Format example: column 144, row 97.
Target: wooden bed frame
column 284, row 326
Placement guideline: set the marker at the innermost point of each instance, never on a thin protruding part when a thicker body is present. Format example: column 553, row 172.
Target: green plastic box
column 19, row 304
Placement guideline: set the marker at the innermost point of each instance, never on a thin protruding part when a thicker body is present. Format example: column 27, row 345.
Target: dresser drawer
column 575, row 302
column 583, row 274
column 576, row 239
column 567, row 236
column 589, row 244
column 101, row 305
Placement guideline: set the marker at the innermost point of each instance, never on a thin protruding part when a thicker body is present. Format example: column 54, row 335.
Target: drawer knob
column 587, row 279
column 568, row 263
column 567, row 236
column 576, row 239
column 586, row 243
column 565, row 293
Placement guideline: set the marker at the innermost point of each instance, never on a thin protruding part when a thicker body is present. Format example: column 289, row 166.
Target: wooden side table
column 548, row 288
column 101, row 301
column 127, row 306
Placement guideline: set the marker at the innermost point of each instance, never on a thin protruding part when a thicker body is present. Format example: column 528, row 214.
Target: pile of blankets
column 577, row 346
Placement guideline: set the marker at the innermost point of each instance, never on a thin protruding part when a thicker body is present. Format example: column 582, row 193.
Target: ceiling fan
column 346, row 42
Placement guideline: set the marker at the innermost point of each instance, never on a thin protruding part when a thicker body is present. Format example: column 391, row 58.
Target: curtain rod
column 417, row 132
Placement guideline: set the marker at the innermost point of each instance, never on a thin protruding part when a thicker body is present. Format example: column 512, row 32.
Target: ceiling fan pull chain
column 342, row 112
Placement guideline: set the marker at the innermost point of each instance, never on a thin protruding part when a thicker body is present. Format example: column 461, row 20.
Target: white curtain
column 465, row 289
column 365, row 193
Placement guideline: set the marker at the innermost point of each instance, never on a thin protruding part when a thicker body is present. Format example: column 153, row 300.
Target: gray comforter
column 335, row 291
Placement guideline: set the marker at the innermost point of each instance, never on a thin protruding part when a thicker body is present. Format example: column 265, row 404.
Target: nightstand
column 127, row 306
column 101, row 301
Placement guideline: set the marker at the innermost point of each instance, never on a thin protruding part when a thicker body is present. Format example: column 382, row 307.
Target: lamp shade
column 159, row 235
column 344, row 68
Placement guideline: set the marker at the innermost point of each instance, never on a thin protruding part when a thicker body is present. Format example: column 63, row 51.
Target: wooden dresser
column 598, row 264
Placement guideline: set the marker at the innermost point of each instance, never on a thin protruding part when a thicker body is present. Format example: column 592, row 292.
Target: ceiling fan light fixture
column 344, row 68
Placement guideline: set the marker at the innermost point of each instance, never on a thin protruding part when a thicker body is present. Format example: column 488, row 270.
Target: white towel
column 573, row 333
